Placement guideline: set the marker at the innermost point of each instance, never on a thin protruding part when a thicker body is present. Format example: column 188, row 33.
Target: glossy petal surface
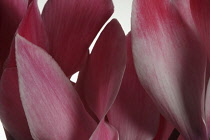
column 71, row 26
column 99, row 82
column 133, row 113
column 52, row 106
column 105, row 131
column 170, row 64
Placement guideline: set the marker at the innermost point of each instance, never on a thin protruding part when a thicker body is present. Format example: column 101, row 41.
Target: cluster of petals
column 151, row 84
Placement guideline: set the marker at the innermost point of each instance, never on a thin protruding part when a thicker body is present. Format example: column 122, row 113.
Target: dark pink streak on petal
column 32, row 29
column 133, row 113
column 170, row 64
column 11, row 13
column 53, row 109
column 100, row 80
column 11, row 111
column 71, row 26
column 105, row 131
column 201, row 14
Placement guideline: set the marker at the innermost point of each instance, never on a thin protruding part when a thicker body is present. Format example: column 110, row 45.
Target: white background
column 122, row 13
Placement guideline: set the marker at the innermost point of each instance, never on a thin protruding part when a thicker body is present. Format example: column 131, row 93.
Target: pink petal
column 133, row 113
column 183, row 7
column 207, row 109
column 32, row 29
column 165, row 129
column 105, row 131
column 200, row 12
column 99, row 82
column 71, row 26
column 170, row 64
column 11, row 13
column 181, row 137
column 12, row 114
column 53, row 109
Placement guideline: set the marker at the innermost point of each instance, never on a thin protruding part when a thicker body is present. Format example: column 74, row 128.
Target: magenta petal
column 71, row 26
column 11, row 13
column 207, row 109
column 200, row 12
column 32, row 29
column 12, row 114
column 53, row 109
column 99, row 82
column 165, row 129
column 133, row 113
column 105, row 131
column 184, row 9
column 170, row 64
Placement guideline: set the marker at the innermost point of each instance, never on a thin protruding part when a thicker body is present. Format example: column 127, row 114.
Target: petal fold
column 31, row 28
column 53, row 108
column 133, row 113
column 105, row 131
column 170, row 64
column 99, row 82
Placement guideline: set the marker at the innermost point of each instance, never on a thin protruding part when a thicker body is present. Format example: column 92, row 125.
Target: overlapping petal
column 165, row 129
column 53, row 108
column 170, row 64
column 100, row 80
column 31, row 28
column 133, row 113
column 71, row 26
column 11, row 111
column 105, row 131
column 12, row 114
column 200, row 12
column 11, row 13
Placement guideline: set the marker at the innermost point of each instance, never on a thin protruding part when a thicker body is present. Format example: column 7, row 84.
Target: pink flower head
column 149, row 85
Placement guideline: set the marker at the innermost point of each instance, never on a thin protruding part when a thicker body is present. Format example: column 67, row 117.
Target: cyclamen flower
column 123, row 85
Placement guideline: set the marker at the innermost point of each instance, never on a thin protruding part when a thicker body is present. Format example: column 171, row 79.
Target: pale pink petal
column 11, row 13
column 71, row 26
column 53, row 109
column 133, row 113
column 200, row 12
column 170, row 64
column 32, row 29
column 99, row 82
column 105, row 131
column 11, row 111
